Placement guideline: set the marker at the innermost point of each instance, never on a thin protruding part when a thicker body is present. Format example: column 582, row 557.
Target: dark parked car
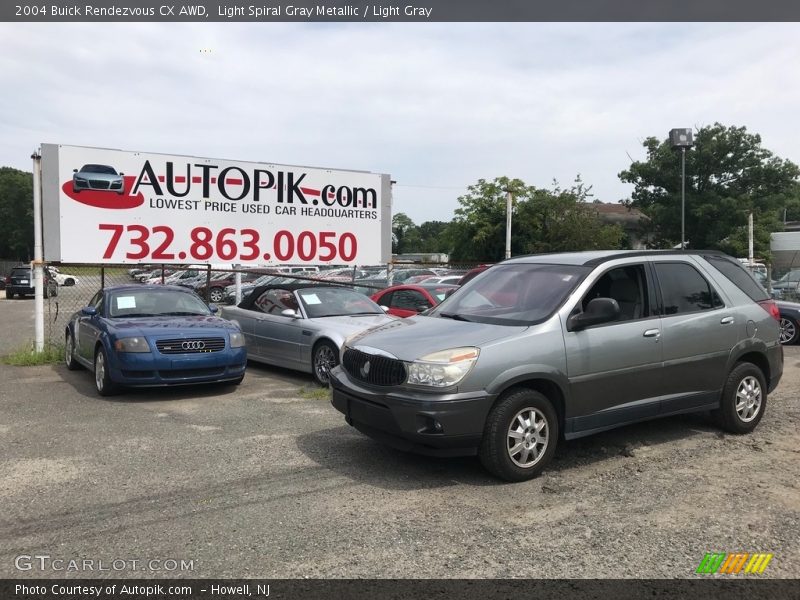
column 20, row 283
column 409, row 300
column 545, row 347
column 99, row 178
column 133, row 335
column 788, row 284
column 790, row 321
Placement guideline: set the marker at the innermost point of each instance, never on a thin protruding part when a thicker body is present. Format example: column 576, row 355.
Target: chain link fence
column 79, row 283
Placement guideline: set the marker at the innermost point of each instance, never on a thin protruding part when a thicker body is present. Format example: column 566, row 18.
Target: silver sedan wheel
column 528, row 436
column 788, row 331
column 748, row 399
column 100, row 371
column 324, row 361
column 216, row 295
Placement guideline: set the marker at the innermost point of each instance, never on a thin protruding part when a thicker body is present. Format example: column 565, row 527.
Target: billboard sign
column 114, row 206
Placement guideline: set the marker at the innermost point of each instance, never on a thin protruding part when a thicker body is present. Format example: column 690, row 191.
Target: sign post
column 38, row 267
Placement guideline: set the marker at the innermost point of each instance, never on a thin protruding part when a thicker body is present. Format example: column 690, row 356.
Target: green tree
column 16, row 214
column 405, row 234
column 541, row 221
column 432, row 237
column 728, row 175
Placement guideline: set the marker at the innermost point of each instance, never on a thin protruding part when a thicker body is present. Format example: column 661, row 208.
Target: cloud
column 435, row 105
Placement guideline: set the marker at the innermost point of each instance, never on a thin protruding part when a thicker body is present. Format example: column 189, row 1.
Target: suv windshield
column 513, row 294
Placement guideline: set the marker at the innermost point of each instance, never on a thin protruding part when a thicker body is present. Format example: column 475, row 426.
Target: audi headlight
column 132, row 344
column 237, row 339
column 443, row 368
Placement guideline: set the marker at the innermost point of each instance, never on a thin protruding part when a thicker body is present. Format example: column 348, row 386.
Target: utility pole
column 509, row 199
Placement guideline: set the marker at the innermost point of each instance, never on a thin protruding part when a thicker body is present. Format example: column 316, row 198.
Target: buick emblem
column 365, row 369
column 193, row 345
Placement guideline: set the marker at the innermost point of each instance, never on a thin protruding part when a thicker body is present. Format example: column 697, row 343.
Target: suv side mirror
column 599, row 310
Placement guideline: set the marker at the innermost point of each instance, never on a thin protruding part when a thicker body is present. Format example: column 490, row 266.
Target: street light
column 682, row 138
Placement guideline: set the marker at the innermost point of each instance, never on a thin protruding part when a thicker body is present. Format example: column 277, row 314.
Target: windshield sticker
column 311, row 299
column 126, row 302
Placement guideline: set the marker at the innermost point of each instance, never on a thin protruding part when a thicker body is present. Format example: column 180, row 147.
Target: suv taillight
column 772, row 308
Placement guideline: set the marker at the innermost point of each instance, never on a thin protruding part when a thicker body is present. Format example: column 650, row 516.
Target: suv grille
column 191, row 345
column 372, row 368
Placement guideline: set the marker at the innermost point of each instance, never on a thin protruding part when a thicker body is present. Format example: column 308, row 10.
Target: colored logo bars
column 734, row 563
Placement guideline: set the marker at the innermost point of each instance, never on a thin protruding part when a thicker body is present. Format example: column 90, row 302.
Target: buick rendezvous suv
column 559, row 346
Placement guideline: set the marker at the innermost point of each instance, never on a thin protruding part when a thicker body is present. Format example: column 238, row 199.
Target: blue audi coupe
column 153, row 335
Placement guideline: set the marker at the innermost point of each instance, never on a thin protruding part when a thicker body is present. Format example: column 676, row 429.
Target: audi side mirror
column 289, row 312
column 213, row 308
column 89, row 311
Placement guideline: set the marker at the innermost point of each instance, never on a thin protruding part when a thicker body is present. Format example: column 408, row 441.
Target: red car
column 408, row 300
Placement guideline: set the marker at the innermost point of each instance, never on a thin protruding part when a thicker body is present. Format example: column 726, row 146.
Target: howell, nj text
column 235, row 183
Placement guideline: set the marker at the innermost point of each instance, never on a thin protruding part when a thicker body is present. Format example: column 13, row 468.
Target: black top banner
column 400, row 11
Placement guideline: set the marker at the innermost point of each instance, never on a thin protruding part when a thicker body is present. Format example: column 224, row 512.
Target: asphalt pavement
column 266, row 480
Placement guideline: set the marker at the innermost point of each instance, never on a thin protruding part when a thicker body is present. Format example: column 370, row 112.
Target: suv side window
column 628, row 286
column 739, row 276
column 684, row 289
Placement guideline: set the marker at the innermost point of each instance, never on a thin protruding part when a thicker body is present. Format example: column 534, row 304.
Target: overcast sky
column 437, row 106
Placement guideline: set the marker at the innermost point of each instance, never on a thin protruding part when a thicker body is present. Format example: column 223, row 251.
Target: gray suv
column 544, row 347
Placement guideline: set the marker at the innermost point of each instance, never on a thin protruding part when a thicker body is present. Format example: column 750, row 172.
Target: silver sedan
column 301, row 326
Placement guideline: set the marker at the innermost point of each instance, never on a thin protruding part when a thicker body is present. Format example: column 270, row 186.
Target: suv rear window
column 20, row 272
column 739, row 276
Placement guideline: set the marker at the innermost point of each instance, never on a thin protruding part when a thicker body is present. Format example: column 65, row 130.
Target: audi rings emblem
column 193, row 345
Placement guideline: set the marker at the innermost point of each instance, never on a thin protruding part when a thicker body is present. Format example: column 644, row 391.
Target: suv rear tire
column 744, row 399
column 520, row 435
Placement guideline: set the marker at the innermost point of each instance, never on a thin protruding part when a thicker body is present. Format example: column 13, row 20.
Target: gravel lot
column 266, row 480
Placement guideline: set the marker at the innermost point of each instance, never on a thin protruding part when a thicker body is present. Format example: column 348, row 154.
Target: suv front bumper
column 435, row 424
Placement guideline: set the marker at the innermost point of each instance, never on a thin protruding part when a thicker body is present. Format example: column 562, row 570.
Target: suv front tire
column 520, row 436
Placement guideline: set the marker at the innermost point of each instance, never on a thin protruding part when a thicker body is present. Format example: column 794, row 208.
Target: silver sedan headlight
column 443, row 368
column 132, row 344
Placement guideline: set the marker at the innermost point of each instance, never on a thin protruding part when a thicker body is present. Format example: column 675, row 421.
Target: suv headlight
column 443, row 368
column 132, row 344
column 237, row 339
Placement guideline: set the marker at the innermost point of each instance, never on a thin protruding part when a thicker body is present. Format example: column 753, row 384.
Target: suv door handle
column 726, row 320
column 652, row 333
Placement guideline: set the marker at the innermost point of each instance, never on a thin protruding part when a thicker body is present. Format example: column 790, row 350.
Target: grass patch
column 315, row 393
column 28, row 357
